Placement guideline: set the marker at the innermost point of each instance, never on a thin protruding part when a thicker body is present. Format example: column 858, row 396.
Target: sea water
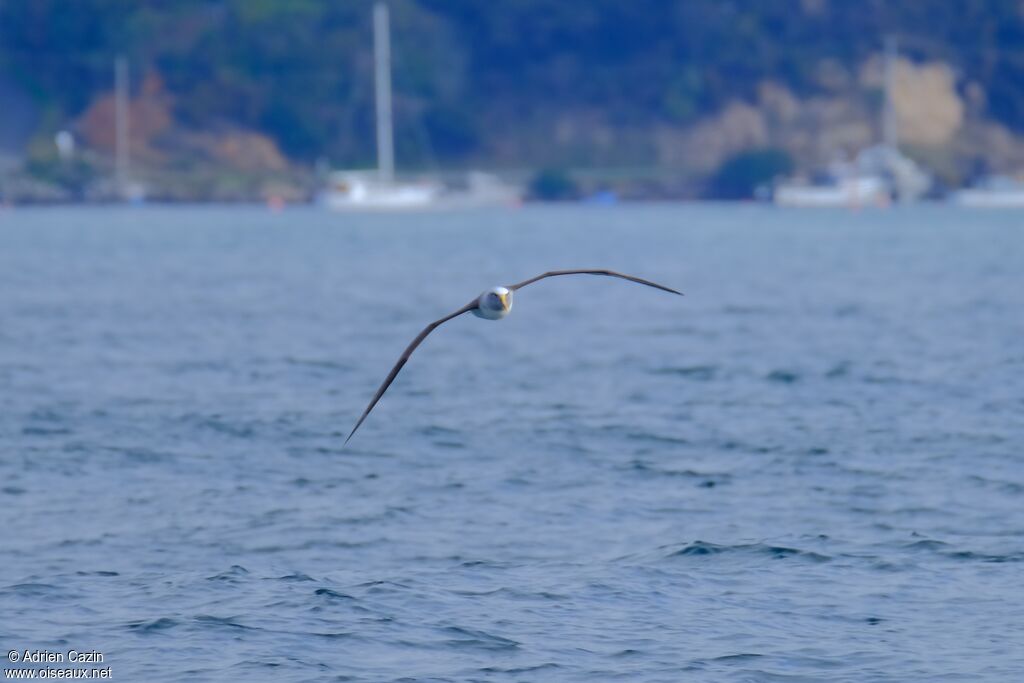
column 809, row 468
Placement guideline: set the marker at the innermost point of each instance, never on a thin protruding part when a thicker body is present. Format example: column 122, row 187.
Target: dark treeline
column 468, row 74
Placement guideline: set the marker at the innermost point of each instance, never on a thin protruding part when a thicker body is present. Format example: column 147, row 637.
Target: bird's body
column 494, row 304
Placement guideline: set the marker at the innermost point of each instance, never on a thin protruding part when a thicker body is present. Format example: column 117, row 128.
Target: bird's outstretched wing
column 609, row 273
column 405, row 357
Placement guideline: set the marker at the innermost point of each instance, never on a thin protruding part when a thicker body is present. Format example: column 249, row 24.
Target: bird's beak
column 504, row 300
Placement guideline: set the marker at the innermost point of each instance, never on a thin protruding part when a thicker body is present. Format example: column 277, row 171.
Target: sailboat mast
column 121, row 124
column 382, row 82
column 890, row 132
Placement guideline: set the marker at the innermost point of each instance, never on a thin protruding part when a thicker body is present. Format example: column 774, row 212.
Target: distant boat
column 994, row 192
column 853, row 191
column 477, row 190
column 360, row 190
column 879, row 175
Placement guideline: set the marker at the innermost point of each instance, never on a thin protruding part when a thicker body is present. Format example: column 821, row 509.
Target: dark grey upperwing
column 405, row 357
column 609, row 273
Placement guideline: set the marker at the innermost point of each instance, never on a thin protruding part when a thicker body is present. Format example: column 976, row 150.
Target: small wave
column 45, row 431
column 518, row 594
column 200, row 366
column 886, row 380
column 783, row 376
column 520, row 669
column 217, row 423
column 733, row 445
column 657, row 438
column 333, row 594
column 971, row 555
column 471, row 638
column 312, row 544
column 297, row 576
column 701, row 373
column 232, row 575
column 45, row 415
column 707, row 479
column 838, row 370
column 943, row 549
column 143, row 455
column 737, row 309
column 702, row 548
column 384, row 586
column 1007, row 486
column 32, row 590
column 438, row 430
column 155, row 626
column 737, row 658
column 332, row 636
column 926, row 544
column 228, row 622
column 323, row 363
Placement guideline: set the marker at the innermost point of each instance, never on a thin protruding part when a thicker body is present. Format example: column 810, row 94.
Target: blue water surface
column 810, row 468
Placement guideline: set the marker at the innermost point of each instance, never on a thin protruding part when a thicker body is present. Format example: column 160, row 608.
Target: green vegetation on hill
column 489, row 83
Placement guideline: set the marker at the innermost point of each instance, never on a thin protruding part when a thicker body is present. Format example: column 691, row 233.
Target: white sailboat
column 875, row 177
column 993, row 192
column 849, row 190
column 366, row 190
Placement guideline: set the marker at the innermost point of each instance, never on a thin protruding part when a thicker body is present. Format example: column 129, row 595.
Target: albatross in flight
column 493, row 304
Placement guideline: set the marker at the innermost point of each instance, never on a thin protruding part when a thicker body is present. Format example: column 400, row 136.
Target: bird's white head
column 494, row 304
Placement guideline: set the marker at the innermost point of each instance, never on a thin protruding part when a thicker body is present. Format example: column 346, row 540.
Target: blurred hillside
column 230, row 93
